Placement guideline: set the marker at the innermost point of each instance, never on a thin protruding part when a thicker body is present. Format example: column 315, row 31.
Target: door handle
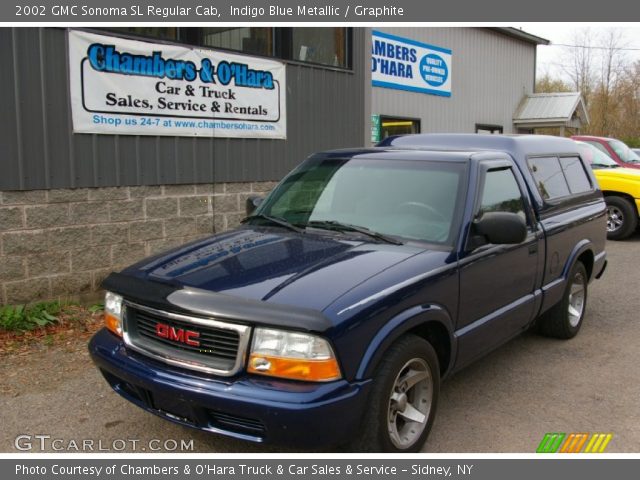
column 533, row 249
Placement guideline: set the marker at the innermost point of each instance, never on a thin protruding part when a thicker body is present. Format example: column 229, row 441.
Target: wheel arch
column 431, row 322
column 583, row 252
column 626, row 196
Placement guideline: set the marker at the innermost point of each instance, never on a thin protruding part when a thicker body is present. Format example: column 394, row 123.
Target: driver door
column 497, row 282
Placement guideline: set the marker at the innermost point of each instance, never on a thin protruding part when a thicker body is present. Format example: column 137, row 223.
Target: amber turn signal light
column 295, row 368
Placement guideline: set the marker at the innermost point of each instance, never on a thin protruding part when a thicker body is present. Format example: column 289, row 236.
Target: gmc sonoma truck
column 330, row 317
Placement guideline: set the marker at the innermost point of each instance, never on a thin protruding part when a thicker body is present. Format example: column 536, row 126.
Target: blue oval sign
column 434, row 70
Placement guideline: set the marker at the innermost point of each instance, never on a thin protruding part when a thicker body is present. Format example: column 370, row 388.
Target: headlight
column 113, row 312
column 293, row 355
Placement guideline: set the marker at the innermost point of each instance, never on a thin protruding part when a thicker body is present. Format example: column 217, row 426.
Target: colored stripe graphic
column 598, row 443
column 574, row 442
column 550, row 442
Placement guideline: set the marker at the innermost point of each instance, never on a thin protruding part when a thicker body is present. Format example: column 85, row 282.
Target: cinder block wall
column 62, row 243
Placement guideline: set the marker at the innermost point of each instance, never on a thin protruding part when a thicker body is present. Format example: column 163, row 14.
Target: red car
column 621, row 154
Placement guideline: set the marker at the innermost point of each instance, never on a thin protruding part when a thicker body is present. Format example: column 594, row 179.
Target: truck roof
column 518, row 146
column 462, row 147
column 410, row 154
column 592, row 137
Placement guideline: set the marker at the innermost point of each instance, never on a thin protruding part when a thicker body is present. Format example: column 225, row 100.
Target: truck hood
column 616, row 173
column 270, row 264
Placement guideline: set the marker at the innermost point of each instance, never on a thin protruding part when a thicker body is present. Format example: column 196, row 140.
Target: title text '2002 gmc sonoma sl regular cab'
column 331, row 315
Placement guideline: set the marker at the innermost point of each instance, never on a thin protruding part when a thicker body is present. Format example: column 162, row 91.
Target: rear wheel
column 565, row 319
column 403, row 399
column 622, row 218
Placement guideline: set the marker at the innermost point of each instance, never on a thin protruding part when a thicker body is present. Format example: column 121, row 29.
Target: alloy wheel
column 410, row 403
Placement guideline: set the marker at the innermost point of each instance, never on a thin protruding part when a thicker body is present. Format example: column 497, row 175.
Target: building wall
column 491, row 72
column 74, row 207
column 63, row 242
column 325, row 109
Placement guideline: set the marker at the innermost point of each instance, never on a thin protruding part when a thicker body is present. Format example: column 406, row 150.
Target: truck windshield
column 416, row 200
column 595, row 157
column 625, row 153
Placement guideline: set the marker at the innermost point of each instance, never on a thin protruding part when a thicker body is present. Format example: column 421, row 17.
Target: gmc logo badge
column 181, row 335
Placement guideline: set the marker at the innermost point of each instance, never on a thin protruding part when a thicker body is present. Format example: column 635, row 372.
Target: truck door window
column 549, row 177
column 501, row 193
column 575, row 175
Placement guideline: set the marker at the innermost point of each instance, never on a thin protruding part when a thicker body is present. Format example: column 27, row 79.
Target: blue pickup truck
column 330, row 317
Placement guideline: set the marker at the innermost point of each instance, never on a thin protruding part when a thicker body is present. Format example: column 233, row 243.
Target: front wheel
column 403, row 399
column 565, row 319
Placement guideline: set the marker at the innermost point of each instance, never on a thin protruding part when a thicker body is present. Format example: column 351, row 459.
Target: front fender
column 399, row 325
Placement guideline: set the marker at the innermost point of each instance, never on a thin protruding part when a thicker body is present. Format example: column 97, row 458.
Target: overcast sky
column 550, row 57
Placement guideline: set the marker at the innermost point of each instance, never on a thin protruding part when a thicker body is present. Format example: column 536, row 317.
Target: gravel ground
column 503, row 403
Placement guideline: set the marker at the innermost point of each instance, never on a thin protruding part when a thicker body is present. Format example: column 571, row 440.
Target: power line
column 590, row 47
column 561, row 64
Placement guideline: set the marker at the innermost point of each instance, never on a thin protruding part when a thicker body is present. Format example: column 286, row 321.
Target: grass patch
column 29, row 328
column 23, row 318
column 96, row 308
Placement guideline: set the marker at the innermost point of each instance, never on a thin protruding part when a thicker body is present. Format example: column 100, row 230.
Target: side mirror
column 252, row 203
column 500, row 228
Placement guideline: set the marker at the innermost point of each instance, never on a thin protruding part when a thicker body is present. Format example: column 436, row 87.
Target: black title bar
column 316, row 11
column 320, row 468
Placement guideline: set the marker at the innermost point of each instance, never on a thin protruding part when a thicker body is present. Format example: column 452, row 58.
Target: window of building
column 489, row 129
column 255, row 40
column 317, row 45
column 161, row 33
column 576, row 176
column 501, row 193
column 398, row 126
column 326, row 46
column 549, row 177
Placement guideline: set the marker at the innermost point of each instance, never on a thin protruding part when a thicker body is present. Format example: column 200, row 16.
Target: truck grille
column 192, row 342
column 236, row 423
column 215, row 342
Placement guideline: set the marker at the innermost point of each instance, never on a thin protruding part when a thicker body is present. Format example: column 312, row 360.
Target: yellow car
column 621, row 189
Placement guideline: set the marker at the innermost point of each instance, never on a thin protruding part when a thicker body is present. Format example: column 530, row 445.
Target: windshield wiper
column 348, row 227
column 275, row 220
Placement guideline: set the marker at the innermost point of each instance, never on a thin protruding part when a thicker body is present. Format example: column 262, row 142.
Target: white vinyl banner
column 129, row 87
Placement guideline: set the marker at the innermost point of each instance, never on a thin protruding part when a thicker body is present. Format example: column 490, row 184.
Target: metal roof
column 551, row 108
column 521, row 35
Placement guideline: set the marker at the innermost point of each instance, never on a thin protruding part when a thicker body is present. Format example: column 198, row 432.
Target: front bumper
column 246, row 407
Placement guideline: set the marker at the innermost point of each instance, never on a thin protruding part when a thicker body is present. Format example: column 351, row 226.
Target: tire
column 386, row 426
column 565, row 319
column 622, row 218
